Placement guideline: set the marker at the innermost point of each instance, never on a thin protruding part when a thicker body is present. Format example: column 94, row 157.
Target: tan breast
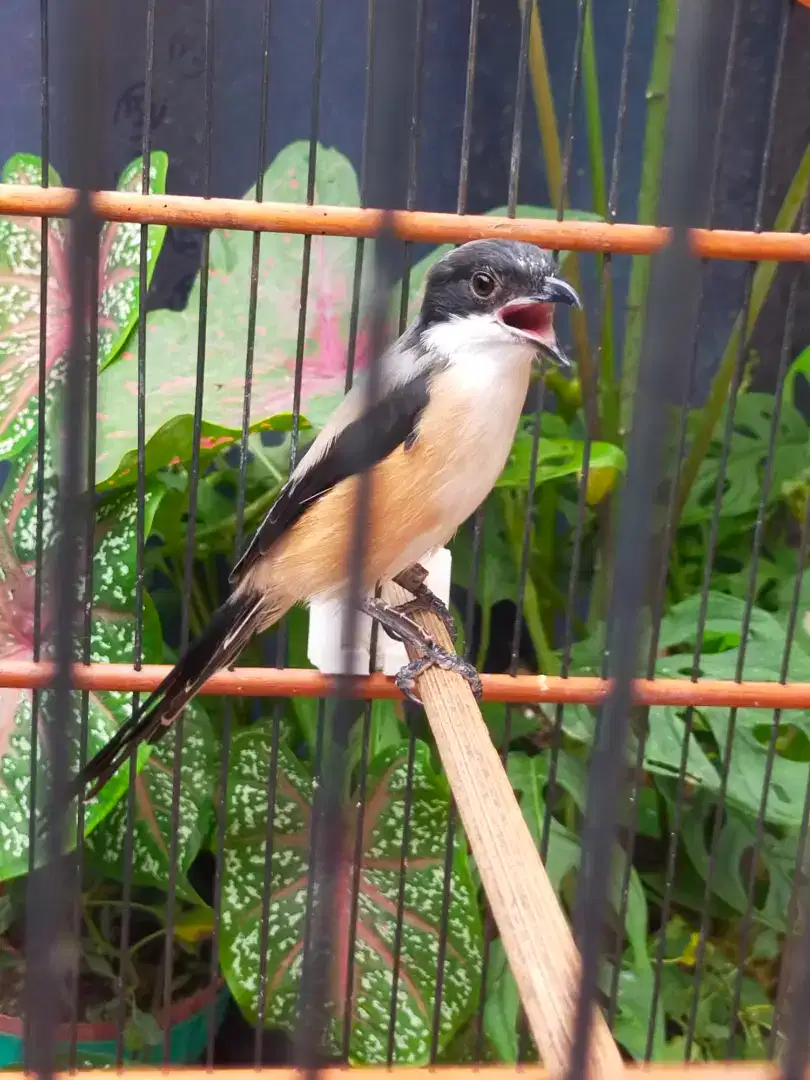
column 420, row 496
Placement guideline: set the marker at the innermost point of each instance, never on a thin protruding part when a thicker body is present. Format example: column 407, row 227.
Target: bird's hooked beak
column 532, row 317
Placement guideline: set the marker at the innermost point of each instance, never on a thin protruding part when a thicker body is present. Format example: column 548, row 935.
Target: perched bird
column 451, row 391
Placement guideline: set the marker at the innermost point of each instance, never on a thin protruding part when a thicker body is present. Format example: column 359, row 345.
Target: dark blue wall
column 178, row 112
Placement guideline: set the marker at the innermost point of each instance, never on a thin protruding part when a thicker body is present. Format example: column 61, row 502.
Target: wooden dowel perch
column 535, row 933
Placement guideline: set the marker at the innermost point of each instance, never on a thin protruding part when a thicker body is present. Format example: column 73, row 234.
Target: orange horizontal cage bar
column 523, row 689
column 733, row 1070
column 189, row 210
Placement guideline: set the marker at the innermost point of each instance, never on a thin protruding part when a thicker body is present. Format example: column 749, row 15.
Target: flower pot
column 96, row 1042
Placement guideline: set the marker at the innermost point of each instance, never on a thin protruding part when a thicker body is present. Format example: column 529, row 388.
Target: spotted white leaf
column 33, row 262
column 377, row 908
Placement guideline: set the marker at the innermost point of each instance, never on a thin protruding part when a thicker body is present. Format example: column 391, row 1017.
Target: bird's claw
column 435, row 655
column 428, row 601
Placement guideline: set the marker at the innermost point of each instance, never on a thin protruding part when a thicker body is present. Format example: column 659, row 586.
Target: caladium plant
column 374, row 956
column 21, row 257
column 152, row 815
column 112, row 638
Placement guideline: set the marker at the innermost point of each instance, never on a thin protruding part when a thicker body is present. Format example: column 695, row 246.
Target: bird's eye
column 483, row 285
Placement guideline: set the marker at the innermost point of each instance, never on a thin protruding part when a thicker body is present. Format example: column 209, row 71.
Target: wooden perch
column 533, row 928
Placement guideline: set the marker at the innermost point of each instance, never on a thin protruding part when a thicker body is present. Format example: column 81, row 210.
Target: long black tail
column 228, row 632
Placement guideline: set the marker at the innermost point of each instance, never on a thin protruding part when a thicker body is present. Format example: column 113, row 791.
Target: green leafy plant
column 375, row 957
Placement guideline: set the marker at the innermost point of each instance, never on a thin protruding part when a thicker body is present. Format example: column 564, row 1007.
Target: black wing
column 359, row 446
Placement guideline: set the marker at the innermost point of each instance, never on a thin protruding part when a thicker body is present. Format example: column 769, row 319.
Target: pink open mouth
column 530, row 318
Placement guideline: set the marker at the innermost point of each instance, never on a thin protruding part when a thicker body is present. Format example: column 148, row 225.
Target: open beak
column 532, row 317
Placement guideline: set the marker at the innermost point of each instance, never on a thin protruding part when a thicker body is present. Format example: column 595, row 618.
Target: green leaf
column 800, row 368
column 736, row 845
column 748, row 452
column 243, row 892
column 20, row 286
column 557, row 458
column 663, row 749
column 112, row 639
column 152, row 833
column 502, row 1005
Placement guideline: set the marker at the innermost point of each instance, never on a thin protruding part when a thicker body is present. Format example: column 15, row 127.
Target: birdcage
column 602, row 864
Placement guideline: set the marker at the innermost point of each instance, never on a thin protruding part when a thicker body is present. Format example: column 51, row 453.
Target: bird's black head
column 508, row 287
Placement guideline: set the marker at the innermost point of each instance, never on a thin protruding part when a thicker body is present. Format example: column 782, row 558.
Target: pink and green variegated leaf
column 21, row 256
column 112, row 639
column 152, row 833
column 171, row 340
column 374, row 957
column 120, row 258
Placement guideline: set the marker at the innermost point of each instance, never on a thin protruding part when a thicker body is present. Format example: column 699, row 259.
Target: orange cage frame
column 525, row 690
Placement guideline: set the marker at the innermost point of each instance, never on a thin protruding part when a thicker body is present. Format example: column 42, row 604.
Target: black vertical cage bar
column 477, row 532
column 387, row 165
column 590, row 404
column 86, row 577
column 515, row 153
column 365, row 745
column 472, row 585
column 725, row 768
column 797, row 1049
column 798, row 890
column 222, row 786
column 414, row 123
column 45, row 226
column 315, row 121
column 746, row 924
column 736, row 382
column 140, row 529
column 50, row 886
column 670, row 309
column 281, row 635
column 193, row 488
column 659, row 596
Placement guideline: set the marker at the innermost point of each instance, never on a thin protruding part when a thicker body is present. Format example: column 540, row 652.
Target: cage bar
column 567, row 235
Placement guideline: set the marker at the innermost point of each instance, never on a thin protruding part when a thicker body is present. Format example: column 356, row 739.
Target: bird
column 451, row 390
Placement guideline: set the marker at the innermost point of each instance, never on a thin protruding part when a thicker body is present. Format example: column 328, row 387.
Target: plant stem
column 608, row 406
column 228, row 524
column 718, row 395
column 657, row 100
column 546, row 657
column 550, row 139
column 146, row 939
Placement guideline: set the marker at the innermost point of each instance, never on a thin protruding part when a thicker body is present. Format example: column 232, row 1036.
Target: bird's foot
column 400, row 626
column 436, row 656
column 413, row 579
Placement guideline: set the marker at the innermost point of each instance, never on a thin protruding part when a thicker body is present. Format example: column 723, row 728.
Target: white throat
column 480, row 344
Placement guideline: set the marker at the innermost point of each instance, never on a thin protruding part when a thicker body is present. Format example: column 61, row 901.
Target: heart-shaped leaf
column 172, row 336
column 20, row 292
column 152, row 832
column 243, row 892
column 112, row 638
